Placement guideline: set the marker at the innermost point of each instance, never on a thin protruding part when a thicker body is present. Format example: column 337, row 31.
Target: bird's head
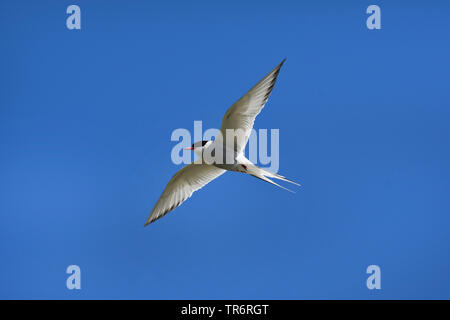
column 199, row 146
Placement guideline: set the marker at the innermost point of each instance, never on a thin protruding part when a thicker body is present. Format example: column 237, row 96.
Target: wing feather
column 242, row 114
column 181, row 186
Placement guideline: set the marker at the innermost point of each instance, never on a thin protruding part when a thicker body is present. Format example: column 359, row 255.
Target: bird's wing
column 182, row 185
column 241, row 115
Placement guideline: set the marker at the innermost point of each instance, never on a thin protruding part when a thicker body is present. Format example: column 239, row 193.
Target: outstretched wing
column 182, row 185
column 241, row 115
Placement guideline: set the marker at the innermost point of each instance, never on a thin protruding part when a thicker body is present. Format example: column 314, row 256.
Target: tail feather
column 277, row 176
column 265, row 175
column 270, row 181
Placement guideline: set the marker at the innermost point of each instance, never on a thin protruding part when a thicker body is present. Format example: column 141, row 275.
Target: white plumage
column 240, row 116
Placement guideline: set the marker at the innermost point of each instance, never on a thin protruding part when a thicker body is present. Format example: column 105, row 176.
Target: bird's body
column 225, row 153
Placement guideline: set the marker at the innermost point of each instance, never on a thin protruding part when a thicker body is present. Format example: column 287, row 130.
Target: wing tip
column 150, row 220
column 281, row 64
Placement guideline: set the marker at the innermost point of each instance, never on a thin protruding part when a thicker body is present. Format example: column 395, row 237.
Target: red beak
column 190, row 148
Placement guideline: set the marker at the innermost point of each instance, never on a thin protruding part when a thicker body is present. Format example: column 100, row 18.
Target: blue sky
column 85, row 124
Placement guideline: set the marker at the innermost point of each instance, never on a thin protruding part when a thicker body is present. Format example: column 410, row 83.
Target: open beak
column 190, row 148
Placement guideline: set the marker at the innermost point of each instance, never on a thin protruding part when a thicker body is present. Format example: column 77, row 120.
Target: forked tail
column 264, row 175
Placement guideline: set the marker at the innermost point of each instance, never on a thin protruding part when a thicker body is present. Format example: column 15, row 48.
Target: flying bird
column 238, row 119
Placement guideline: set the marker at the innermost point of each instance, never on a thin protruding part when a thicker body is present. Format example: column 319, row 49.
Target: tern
column 239, row 119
